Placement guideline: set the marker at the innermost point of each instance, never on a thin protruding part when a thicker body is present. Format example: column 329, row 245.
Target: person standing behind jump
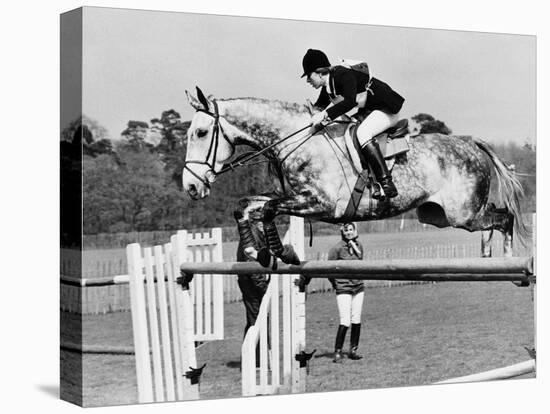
column 349, row 293
column 253, row 287
column 343, row 89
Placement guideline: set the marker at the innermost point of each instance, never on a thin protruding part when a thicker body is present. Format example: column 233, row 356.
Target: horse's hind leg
column 502, row 220
column 491, row 218
column 486, row 245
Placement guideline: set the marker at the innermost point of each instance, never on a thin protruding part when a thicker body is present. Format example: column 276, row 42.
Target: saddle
column 392, row 142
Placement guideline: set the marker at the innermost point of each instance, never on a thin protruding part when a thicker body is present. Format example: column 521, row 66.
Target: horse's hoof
column 289, row 256
column 379, row 196
column 264, row 257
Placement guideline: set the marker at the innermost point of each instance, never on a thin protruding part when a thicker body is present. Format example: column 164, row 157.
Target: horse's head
column 208, row 146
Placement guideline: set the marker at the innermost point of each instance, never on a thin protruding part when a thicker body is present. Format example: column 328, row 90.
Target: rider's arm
column 323, row 100
column 346, row 84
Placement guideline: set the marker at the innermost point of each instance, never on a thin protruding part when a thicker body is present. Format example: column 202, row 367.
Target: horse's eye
column 201, row 133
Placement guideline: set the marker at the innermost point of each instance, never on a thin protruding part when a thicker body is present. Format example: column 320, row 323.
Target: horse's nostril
column 192, row 189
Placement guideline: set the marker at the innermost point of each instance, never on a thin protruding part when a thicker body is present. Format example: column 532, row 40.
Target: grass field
column 412, row 335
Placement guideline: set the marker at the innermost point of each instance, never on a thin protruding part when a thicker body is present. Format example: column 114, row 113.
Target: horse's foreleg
column 301, row 205
column 250, row 226
column 248, row 242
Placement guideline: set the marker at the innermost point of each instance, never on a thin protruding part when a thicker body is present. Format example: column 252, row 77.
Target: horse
column 445, row 178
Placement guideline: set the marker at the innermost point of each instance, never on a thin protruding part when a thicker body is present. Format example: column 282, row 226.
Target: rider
column 343, row 89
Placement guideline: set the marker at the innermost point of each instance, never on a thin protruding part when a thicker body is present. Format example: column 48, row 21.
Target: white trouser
column 374, row 124
column 349, row 307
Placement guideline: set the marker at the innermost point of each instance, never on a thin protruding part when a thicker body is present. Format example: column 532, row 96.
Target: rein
column 242, row 160
column 254, row 154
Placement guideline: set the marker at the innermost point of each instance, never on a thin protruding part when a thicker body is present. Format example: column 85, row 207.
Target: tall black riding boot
column 371, row 151
column 339, row 344
column 354, row 341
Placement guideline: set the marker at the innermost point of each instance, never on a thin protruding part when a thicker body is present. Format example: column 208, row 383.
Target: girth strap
column 356, row 195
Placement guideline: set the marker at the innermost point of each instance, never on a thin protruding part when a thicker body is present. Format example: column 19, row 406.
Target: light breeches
column 349, row 307
column 374, row 124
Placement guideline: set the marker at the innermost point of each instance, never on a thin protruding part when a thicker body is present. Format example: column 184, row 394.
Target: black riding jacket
column 348, row 83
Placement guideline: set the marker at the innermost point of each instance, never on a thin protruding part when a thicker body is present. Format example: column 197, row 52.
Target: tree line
column 134, row 183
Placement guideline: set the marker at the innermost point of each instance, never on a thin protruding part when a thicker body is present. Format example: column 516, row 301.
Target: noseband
column 212, row 150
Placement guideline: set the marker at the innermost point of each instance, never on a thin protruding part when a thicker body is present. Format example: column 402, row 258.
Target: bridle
column 217, row 129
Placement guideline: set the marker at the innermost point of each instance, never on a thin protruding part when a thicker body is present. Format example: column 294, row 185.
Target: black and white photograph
column 288, row 206
column 223, row 173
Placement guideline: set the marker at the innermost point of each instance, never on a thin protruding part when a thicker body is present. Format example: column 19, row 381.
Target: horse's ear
column 205, row 102
column 194, row 102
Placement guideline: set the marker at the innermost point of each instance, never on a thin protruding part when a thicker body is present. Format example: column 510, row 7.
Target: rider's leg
column 375, row 123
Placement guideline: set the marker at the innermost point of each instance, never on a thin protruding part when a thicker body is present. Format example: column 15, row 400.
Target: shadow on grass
column 51, row 390
column 233, row 364
column 324, row 355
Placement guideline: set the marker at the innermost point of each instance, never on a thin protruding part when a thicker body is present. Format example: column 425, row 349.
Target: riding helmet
column 313, row 60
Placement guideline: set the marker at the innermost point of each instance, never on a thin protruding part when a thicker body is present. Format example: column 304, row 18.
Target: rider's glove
column 319, row 118
column 318, row 121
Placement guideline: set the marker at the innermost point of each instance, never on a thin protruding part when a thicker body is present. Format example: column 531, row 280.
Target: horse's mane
column 275, row 104
column 264, row 117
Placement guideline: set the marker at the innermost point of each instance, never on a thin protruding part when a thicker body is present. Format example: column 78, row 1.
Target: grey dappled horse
column 444, row 177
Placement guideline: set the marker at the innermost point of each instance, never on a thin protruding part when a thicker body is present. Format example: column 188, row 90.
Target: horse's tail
column 510, row 190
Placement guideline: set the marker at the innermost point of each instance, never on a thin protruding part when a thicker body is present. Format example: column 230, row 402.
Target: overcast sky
column 139, row 63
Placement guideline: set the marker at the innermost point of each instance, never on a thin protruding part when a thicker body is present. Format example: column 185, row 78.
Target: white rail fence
column 268, row 352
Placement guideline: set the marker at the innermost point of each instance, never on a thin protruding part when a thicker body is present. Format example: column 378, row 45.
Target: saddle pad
column 396, row 146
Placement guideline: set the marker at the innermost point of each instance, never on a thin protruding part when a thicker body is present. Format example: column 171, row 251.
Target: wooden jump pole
column 511, row 371
column 475, row 269
column 99, row 281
